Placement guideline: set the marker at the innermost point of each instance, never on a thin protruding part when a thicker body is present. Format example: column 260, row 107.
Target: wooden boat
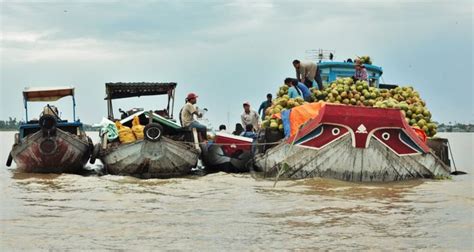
column 50, row 144
column 228, row 153
column 166, row 150
column 354, row 144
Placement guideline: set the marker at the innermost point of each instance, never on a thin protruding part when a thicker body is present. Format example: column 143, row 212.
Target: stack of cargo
column 359, row 93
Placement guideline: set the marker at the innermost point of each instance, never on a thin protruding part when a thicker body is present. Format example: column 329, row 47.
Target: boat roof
column 119, row 90
column 369, row 67
column 231, row 136
column 47, row 94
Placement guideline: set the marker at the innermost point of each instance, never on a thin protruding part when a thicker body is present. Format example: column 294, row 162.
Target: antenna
column 319, row 54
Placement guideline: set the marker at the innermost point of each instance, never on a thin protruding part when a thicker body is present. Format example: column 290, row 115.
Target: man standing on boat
column 360, row 72
column 266, row 104
column 306, row 72
column 250, row 117
column 187, row 115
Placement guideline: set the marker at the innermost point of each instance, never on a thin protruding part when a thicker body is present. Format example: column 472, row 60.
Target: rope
column 236, row 144
column 285, row 165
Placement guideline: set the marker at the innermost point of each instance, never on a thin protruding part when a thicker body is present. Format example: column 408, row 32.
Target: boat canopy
column 133, row 89
column 47, row 94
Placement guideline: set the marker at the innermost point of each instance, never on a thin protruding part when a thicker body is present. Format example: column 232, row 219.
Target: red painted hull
column 63, row 153
column 228, row 153
column 362, row 123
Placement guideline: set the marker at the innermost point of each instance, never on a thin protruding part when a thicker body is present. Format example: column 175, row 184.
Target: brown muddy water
column 234, row 212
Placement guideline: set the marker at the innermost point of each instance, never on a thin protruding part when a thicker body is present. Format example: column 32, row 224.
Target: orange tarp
column 421, row 134
column 301, row 114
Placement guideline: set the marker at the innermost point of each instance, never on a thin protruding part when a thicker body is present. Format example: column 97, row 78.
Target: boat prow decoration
column 387, row 126
column 354, row 144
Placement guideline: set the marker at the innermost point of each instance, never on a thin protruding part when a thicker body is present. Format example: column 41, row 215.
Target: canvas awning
column 135, row 89
column 47, row 94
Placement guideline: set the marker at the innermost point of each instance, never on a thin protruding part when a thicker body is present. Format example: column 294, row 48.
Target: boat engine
column 48, row 125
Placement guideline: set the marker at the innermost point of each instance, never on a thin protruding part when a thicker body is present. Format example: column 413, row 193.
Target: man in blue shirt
column 249, row 132
column 263, row 107
column 298, row 89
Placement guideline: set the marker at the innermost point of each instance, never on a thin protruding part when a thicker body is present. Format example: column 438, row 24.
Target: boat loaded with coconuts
column 50, row 144
column 353, row 131
column 146, row 144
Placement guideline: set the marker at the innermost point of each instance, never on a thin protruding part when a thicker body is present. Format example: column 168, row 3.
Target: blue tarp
column 285, row 117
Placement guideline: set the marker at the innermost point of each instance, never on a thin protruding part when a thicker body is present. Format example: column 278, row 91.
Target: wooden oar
column 455, row 172
column 9, row 160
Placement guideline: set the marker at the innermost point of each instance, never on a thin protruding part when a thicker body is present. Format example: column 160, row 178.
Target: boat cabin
column 332, row 70
column 164, row 117
column 46, row 95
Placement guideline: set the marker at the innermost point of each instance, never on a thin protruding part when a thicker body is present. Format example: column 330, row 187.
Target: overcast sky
column 229, row 52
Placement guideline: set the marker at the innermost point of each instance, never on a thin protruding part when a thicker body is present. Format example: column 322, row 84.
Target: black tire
column 153, row 132
column 95, row 154
column 47, row 122
column 9, row 159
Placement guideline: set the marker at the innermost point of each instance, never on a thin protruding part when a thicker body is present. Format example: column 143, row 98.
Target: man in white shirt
column 250, row 117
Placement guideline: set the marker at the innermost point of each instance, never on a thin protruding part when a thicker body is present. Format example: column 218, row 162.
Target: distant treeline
column 13, row 124
column 10, row 124
column 457, row 127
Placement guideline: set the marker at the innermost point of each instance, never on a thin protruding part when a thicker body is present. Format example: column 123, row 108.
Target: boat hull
column 216, row 159
column 342, row 161
column 146, row 159
column 353, row 144
column 62, row 153
column 228, row 153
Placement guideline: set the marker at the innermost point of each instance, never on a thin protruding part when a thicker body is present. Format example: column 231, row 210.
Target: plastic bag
column 125, row 133
column 108, row 127
column 137, row 128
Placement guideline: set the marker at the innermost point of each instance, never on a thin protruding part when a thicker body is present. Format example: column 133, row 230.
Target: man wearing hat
column 187, row 115
column 250, row 117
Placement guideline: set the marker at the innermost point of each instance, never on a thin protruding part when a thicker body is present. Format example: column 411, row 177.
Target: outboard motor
column 48, row 124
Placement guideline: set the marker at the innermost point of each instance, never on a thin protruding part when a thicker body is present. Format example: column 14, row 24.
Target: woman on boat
column 360, row 71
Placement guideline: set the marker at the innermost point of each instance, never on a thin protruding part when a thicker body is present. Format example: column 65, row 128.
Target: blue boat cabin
column 49, row 95
column 332, row 70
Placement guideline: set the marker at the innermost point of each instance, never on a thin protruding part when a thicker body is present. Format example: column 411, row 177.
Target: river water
column 235, row 212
